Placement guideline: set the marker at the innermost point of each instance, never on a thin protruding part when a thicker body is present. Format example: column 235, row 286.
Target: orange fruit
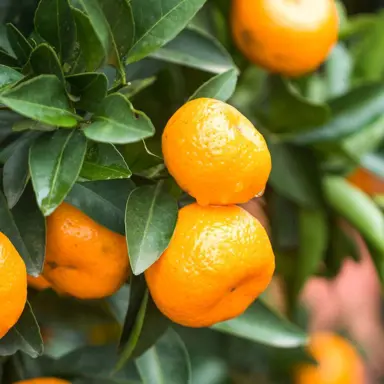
column 338, row 362
column 215, row 153
column 39, row 283
column 367, row 182
column 218, row 262
column 43, row 380
column 291, row 37
column 83, row 258
column 13, row 285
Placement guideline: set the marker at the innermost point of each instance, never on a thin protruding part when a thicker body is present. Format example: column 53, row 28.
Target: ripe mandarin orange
column 39, row 283
column 43, row 380
column 215, row 153
column 291, row 37
column 367, row 182
column 218, row 262
column 13, row 285
column 338, row 362
column 83, row 258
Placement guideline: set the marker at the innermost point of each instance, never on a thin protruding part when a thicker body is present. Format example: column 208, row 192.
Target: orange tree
column 86, row 89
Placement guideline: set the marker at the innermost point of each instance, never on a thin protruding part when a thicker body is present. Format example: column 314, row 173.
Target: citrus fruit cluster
column 220, row 258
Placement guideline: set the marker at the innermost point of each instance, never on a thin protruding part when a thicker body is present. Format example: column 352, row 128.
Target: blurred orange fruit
column 338, row 362
column 218, row 262
column 215, row 153
column 291, row 37
column 13, row 285
column 43, row 380
column 83, row 258
column 39, row 283
column 367, row 182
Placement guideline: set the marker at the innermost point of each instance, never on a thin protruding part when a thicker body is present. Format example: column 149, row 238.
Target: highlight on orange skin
column 367, row 182
column 290, row 37
column 218, row 262
column 39, row 283
column 338, row 362
column 83, row 258
column 215, row 153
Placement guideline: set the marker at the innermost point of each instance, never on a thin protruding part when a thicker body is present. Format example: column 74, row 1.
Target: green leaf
column 220, row 87
column 24, row 336
column 16, row 174
column 195, row 48
column 374, row 162
column 8, row 76
column 25, row 227
column 7, row 59
column 104, row 162
column 359, row 210
column 150, row 220
column 261, row 324
column 55, row 161
column 32, row 125
column 136, row 86
column 338, row 71
column 55, row 23
column 103, row 201
column 295, row 174
column 118, row 13
column 93, row 52
column 19, row 44
column 117, row 122
column 90, row 88
column 42, row 98
column 368, row 52
column 159, row 26
column 44, row 61
column 282, row 98
column 350, row 113
column 313, row 226
column 167, row 361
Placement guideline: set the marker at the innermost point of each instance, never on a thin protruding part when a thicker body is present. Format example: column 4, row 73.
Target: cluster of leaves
column 69, row 132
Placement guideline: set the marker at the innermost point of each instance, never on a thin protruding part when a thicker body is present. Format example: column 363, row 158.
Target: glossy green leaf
column 295, row 174
column 220, row 87
column 118, row 13
column 358, row 209
column 8, row 76
column 42, row 98
column 155, row 28
column 150, row 220
column 349, row 113
column 313, row 226
column 16, row 174
column 44, row 61
column 90, row 88
column 103, row 201
column 195, row 48
column 30, row 242
column 338, row 71
column 281, row 100
column 261, row 324
column 92, row 49
column 19, row 44
column 167, row 361
column 32, row 125
column 104, row 162
column 24, row 336
column 143, row 324
column 55, row 23
column 117, row 122
column 55, row 161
